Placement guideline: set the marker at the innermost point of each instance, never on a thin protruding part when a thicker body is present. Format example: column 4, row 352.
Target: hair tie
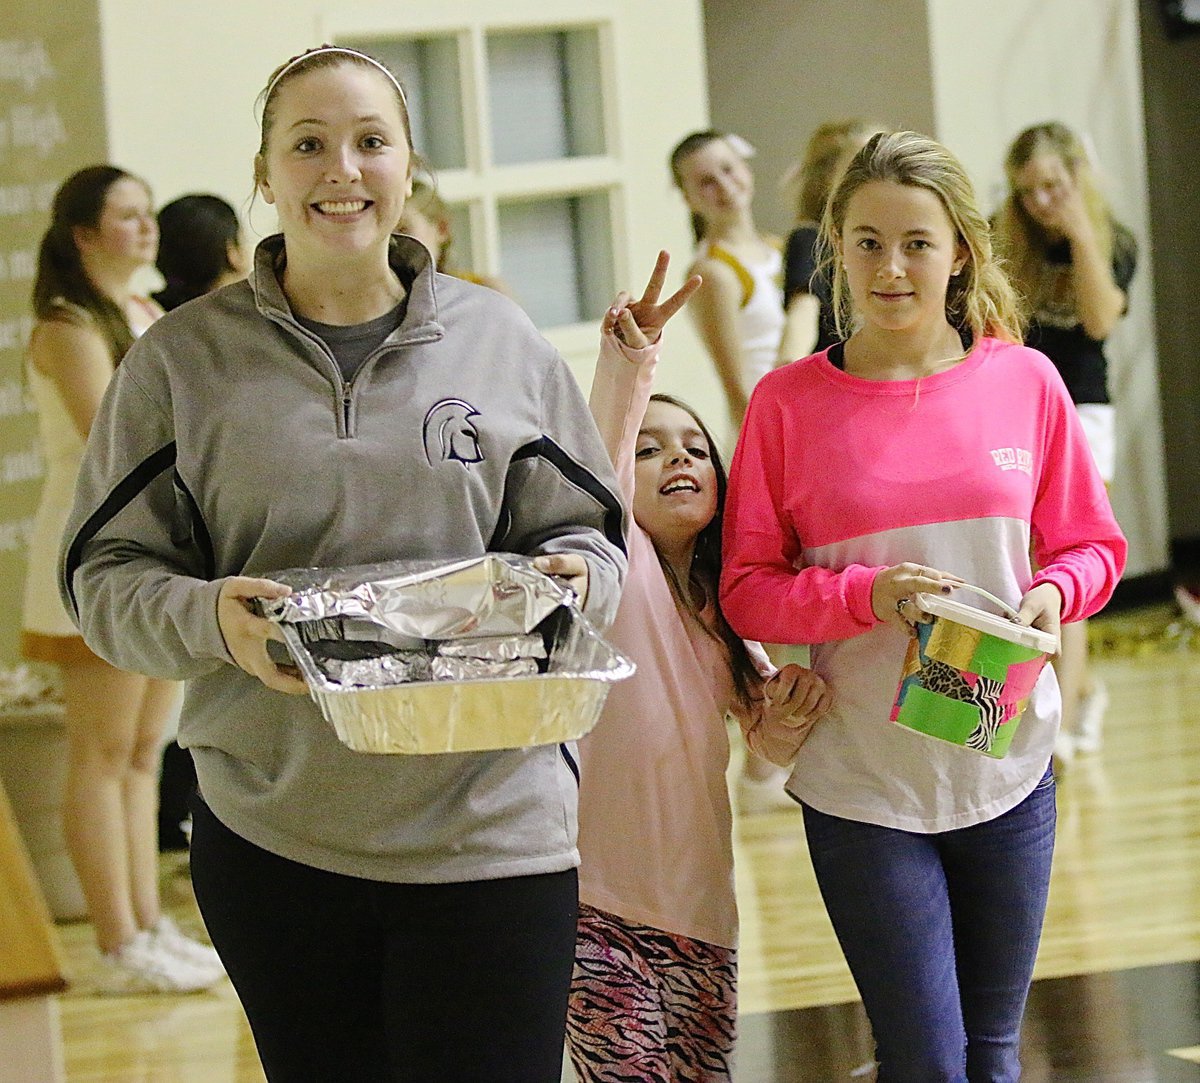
column 326, row 49
column 791, row 177
column 742, row 146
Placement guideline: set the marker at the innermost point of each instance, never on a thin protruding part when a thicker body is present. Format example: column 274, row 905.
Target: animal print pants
column 649, row 1006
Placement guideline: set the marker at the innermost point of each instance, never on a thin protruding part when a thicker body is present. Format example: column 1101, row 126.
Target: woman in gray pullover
column 381, row 917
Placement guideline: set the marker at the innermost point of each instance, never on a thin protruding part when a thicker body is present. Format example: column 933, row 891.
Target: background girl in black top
column 806, row 295
column 1073, row 262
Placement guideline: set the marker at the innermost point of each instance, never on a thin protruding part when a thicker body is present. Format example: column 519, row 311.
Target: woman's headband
column 323, row 50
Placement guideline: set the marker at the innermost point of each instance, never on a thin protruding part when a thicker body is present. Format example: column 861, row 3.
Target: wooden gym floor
column 1118, row 990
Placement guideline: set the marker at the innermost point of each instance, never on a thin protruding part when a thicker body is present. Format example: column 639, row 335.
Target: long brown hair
column 706, row 570
column 61, row 284
column 426, row 200
column 980, row 299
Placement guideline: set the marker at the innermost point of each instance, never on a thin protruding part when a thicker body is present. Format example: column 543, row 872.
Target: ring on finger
column 900, row 606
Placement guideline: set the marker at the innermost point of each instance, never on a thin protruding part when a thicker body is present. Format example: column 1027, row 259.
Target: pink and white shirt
column 837, row 477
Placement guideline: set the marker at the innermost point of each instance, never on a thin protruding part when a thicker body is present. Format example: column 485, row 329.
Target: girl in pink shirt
column 929, row 450
column 653, row 992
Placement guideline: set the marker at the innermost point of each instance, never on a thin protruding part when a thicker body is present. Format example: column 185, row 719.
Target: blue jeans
column 940, row 932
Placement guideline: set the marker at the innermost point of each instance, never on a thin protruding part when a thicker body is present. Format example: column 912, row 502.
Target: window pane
column 556, row 255
column 545, row 96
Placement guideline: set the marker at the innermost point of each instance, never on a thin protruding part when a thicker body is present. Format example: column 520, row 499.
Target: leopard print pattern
column 945, row 680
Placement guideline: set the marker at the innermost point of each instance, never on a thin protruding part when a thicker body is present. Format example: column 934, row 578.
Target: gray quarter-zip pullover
column 229, row 443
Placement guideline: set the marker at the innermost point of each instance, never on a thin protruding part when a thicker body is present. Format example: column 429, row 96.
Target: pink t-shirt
column 836, row 477
column 654, row 818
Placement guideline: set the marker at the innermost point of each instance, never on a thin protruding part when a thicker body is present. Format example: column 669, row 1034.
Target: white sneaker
column 167, row 936
column 756, row 796
column 1090, row 723
column 1189, row 602
column 142, row 966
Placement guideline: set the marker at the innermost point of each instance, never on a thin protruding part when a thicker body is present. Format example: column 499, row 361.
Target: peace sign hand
column 639, row 323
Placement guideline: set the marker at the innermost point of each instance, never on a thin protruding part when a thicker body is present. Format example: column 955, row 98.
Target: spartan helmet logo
column 449, row 434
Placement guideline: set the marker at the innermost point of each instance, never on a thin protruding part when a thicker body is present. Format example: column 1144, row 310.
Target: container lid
column 1001, row 627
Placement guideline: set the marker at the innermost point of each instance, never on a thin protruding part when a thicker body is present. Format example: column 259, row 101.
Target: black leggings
column 347, row 979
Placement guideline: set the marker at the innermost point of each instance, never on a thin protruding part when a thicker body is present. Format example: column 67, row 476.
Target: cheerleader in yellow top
column 739, row 309
column 740, row 316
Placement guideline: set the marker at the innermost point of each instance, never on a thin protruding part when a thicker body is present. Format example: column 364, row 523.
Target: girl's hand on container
column 892, row 591
column 795, row 697
column 569, row 566
column 246, row 633
column 1042, row 608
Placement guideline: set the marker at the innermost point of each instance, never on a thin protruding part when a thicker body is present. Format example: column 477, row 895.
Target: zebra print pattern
column 648, row 1006
column 947, row 681
column 991, row 714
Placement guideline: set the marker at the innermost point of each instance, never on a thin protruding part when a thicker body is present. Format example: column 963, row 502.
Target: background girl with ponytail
column 739, row 312
column 102, row 232
column 739, row 307
column 927, row 450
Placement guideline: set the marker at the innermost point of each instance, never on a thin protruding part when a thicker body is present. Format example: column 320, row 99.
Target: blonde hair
column 980, row 298
column 1022, row 241
column 808, row 183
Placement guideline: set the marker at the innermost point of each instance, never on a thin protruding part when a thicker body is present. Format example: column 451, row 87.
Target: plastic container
column 968, row 675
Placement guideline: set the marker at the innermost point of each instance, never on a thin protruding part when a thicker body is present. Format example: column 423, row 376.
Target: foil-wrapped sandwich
column 422, row 657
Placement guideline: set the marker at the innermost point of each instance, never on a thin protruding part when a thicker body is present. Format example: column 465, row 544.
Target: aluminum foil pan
column 494, row 648
column 496, row 595
column 402, row 667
